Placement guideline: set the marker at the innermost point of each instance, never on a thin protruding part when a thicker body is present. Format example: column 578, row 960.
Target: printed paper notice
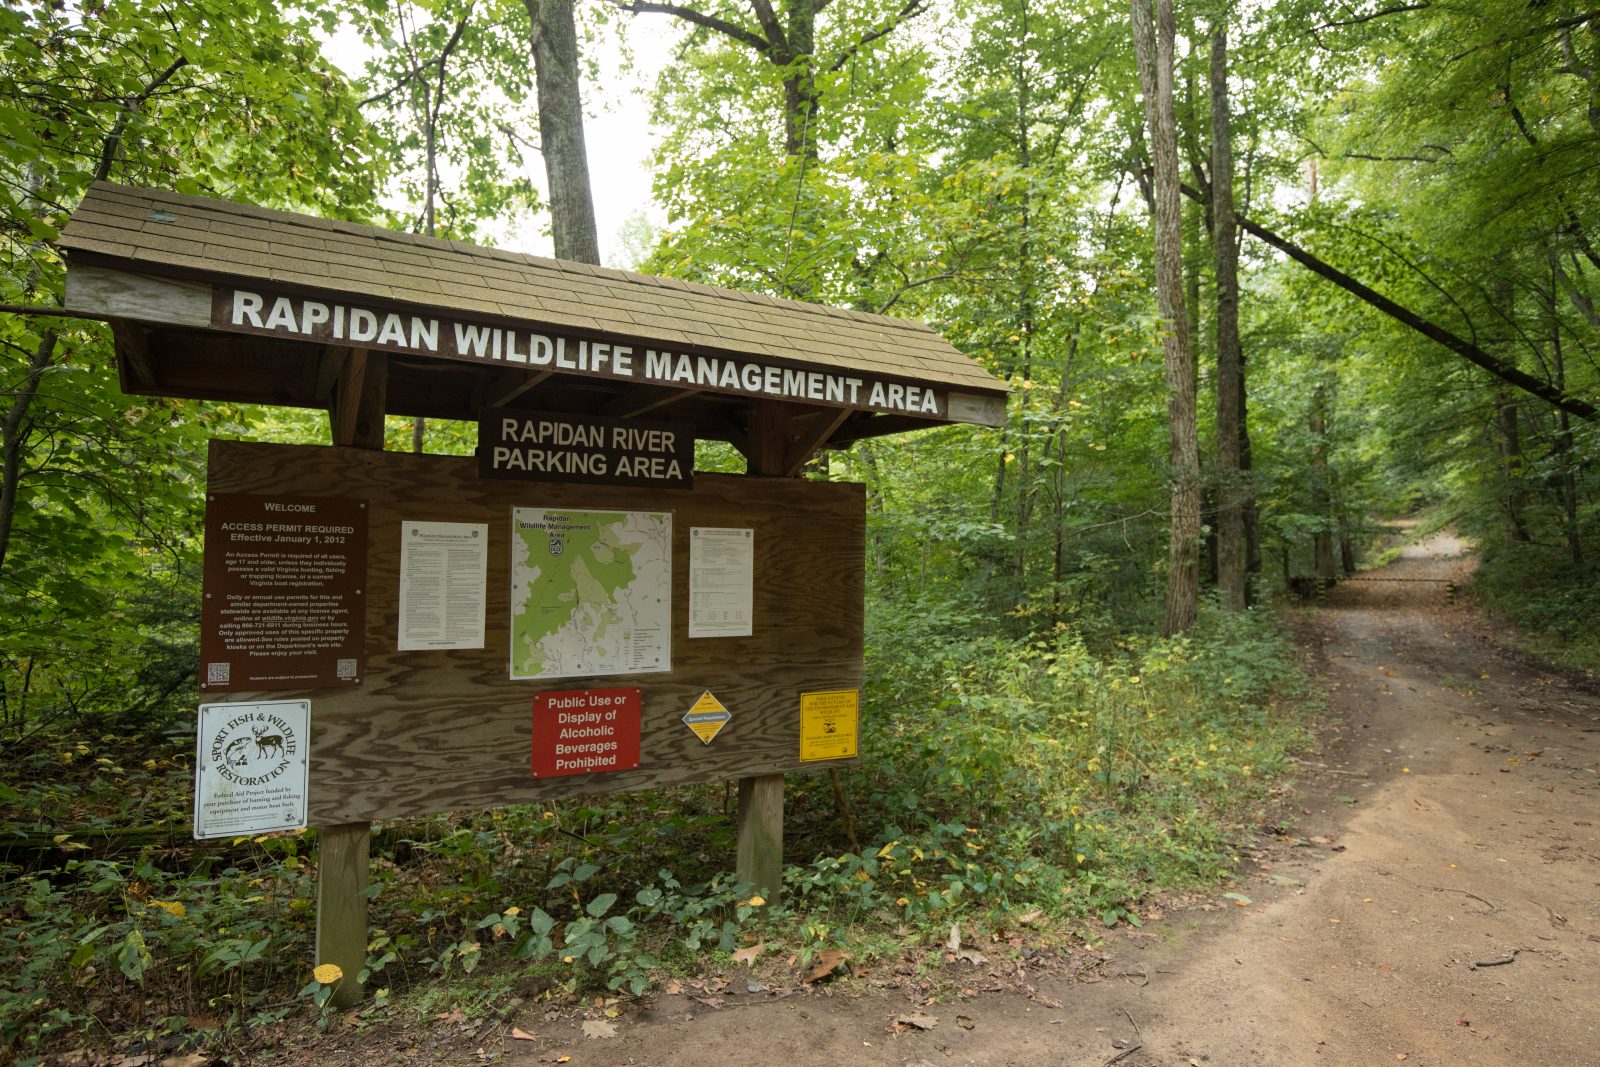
column 444, row 567
column 721, row 581
column 591, row 592
column 250, row 768
column 830, row 725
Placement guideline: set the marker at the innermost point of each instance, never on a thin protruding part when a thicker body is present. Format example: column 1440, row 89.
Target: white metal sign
column 251, row 768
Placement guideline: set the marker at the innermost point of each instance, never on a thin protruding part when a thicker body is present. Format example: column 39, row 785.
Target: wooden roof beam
column 879, row 425
column 643, row 398
column 133, row 348
column 506, row 386
column 809, row 433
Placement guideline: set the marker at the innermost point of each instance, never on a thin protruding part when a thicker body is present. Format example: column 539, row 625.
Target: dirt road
column 1431, row 896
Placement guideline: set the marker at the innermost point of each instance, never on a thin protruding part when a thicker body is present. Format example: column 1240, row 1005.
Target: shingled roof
column 162, row 230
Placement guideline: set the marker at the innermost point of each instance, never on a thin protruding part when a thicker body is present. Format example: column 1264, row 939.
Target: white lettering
column 425, row 333
column 312, row 314
column 394, row 331
column 363, row 324
column 472, row 340
column 541, row 351
column 282, row 315
column 512, row 355
column 247, row 306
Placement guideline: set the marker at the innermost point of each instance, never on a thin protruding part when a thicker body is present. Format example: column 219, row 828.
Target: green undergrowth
column 1553, row 602
column 998, row 776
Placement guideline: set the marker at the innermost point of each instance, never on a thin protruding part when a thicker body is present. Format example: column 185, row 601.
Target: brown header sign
column 283, row 603
column 260, row 311
column 548, row 447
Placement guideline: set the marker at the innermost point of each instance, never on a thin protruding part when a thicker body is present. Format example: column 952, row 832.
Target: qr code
column 218, row 673
column 346, row 669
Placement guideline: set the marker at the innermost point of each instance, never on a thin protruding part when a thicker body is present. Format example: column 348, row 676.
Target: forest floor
column 1429, row 893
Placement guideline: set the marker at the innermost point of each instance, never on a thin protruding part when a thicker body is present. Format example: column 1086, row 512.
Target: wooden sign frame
column 433, row 731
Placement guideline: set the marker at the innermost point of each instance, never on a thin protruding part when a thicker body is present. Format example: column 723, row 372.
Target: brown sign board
column 439, row 730
column 542, row 446
column 267, row 312
column 282, row 588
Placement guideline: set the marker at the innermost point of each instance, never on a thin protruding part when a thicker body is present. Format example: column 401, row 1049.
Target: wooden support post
column 355, row 415
column 760, row 858
column 761, row 834
column 342, row 905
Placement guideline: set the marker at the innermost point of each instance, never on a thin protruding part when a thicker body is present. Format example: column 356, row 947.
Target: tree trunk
column 800, row 82
column 1231, row 555
column 1321, row 488
column 1512, row 466
column 1153, row 32
column 566, row 163
column 1565, row 456
column 13, row 435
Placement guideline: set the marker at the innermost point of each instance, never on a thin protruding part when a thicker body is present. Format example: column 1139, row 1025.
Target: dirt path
column 1448, row 825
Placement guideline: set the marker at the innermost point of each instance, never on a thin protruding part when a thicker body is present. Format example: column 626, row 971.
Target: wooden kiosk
column 587, row 385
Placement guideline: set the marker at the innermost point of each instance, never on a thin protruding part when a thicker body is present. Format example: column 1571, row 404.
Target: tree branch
column 908, row 286
column 1398, row 9
column 767, row 19
column 113, row 141
column 699, row 18
column 909, row 10
column 1459, row 345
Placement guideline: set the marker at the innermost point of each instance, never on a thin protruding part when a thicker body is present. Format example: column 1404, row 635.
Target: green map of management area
column 591, row 592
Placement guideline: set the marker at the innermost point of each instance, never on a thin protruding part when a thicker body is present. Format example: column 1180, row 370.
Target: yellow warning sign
column 707, row 717
column 829, row 725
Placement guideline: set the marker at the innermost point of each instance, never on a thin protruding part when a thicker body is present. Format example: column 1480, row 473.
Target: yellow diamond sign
column 707, row 717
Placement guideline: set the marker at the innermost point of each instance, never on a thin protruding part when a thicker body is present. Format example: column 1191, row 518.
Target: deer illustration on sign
column 267, row 745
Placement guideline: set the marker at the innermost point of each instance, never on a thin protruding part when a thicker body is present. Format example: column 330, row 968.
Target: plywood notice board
column 432, row 731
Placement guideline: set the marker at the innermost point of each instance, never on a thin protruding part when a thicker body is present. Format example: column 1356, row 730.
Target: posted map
column 591, row 592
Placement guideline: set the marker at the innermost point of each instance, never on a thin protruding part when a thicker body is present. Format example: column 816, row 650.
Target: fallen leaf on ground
column 598, row 1028
column 672, row 988
column 827, row 963
column 455, row 1015
column 953, row 942
column 748, row 956
column 972, row 956
column 518, row 1034
column 964, row 1022
column 918, row 1019
column 1240, row 899
column 1030, row 917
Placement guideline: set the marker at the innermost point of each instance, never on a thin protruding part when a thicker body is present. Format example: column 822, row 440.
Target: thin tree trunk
column 1512, row 465
column 1321, row 490
column 1025, row 488
column 1153, row 33
column 1231, row 553
column 14, row 433
column 800, row 82
column 566, row 162
column 1565, row 456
